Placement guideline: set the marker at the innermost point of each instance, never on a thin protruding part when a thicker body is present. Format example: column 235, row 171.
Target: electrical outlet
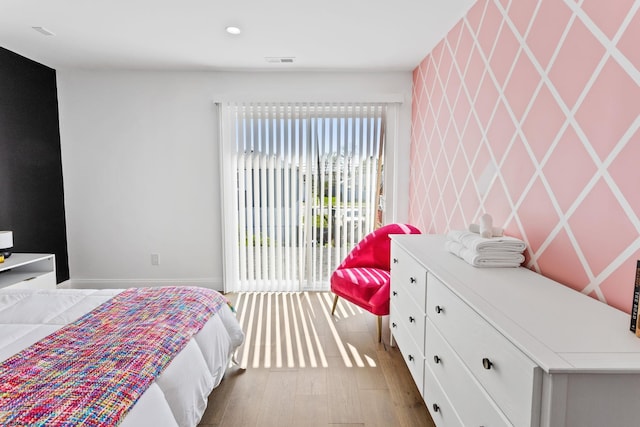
column 155, row 259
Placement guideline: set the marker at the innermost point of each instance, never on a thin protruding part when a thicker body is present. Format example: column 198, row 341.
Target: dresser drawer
column 412, row 318
column 407, row 273
column 412, row 354
column 438, row 403
column 37, row 281
column 473, row 405
column 508, row 375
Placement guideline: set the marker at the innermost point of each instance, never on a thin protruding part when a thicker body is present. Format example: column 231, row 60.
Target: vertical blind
column 298, row 184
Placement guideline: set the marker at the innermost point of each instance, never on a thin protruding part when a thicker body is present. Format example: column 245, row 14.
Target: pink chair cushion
column 363, row 286
column 364, row 276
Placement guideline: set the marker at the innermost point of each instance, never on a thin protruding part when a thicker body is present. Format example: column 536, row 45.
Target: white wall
column 140, row 164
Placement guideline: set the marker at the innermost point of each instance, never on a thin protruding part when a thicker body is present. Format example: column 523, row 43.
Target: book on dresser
column 636, row 299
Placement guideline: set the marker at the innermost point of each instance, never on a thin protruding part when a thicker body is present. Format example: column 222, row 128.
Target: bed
column 177, row 397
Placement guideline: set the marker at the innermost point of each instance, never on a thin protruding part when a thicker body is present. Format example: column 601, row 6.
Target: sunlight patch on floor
column 286, row 330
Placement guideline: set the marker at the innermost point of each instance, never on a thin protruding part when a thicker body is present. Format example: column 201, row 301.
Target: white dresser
column 34, row 271
column 509, row 347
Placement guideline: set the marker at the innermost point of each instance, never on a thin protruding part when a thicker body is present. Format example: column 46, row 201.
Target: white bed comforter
column 178, row 397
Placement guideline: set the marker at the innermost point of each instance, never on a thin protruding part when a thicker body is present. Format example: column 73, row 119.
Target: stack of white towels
column 486, row 246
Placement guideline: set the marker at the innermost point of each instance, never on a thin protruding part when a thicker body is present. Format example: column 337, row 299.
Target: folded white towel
column 480, row 244
column 485, row 259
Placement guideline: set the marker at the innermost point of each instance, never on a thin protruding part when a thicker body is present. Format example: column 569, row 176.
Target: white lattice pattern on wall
column 529, row 110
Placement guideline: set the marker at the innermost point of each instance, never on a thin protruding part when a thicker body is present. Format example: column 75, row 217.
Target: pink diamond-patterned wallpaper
column 529, row 110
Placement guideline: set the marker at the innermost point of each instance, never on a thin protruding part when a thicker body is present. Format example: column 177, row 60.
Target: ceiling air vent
column 279, row 59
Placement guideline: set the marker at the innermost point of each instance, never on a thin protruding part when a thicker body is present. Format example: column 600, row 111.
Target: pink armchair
column 364, row 276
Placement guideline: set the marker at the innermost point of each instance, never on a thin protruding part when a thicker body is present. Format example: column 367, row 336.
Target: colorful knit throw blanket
column 92, row 371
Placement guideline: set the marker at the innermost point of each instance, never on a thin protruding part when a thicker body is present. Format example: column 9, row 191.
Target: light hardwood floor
column 300, row 366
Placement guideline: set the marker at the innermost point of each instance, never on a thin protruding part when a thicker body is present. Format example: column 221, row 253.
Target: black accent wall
column 31, row 190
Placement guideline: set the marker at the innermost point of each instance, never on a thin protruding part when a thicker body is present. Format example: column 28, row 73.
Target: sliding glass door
column 299, row 190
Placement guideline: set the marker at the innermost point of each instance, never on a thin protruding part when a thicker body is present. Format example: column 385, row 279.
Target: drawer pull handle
column 410, row 358
column 395, row 260
column 436, row 408
column 439, row 309
column 395, row 293
column 486, row 363
column 412, row 319
column 436, row 359
column 412, row 280
column 393, row 325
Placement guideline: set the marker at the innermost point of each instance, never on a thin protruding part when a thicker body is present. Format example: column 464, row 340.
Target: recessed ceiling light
column 43, row 31
column 233, row 30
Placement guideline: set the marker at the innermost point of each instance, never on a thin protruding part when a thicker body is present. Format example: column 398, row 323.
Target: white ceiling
column 337, row 35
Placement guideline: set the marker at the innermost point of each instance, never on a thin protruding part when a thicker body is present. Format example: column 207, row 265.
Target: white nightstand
column 33, row 271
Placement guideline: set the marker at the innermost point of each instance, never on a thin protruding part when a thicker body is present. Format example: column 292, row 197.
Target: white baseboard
column 138, row 283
